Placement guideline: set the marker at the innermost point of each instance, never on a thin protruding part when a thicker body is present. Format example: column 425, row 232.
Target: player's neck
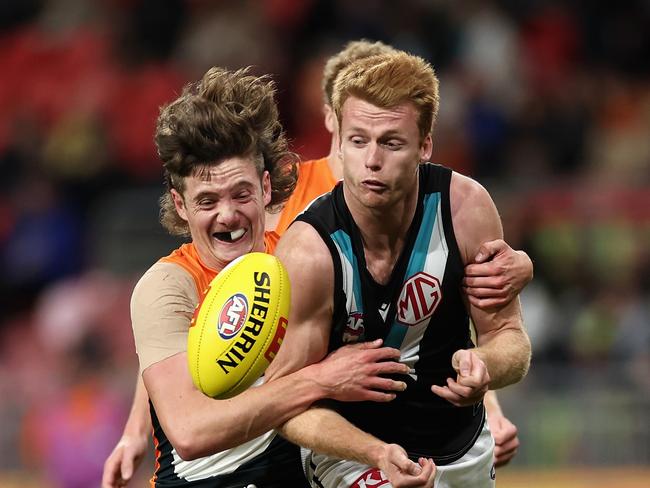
column 383, row 233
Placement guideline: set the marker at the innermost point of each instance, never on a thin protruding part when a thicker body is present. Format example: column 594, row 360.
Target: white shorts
column 475, row 469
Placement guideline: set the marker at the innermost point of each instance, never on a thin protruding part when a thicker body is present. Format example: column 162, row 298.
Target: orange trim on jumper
column 188, row 258
column 157, row 453
column 314, row 178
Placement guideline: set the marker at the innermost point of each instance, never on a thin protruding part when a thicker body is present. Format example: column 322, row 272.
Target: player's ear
column 330, row 118
column 179, row 204
column 426, row 149
column 266, row 188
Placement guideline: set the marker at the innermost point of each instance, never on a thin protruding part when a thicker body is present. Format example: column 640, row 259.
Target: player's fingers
column 482, row 271
column 508, row 445
column 461, row 361
column 470, row 389
column 377, row 396
column 489, row 249
column 408, row 467
column 505, row 431
column 463, row 391
column 487, row 303
column 503, row 456
column 386, row 384
column 428, row 474
column 366, row 345
column 389, row 367
column 127, row 468
column 478, row 375
column 445, row 393
column 487, row 291
column 383, row 354
column 111, row 471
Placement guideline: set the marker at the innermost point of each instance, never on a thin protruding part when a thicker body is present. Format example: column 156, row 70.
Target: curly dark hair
column 227, row 114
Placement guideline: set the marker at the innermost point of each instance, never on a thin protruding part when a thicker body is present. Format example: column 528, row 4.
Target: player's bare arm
column 127, row 455
column 503, row 430
column 197, row 424
column 503, row 353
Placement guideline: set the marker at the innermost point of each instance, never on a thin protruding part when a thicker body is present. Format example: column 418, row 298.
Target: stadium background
column 547, row 103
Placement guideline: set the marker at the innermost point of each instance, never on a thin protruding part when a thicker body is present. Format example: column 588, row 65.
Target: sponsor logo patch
column 419, row 298
column 354, row 327
column 373, row 477
column 232, row 316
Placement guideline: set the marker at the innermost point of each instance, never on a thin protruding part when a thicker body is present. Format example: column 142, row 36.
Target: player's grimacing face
column 223, row 206
column 381, row 150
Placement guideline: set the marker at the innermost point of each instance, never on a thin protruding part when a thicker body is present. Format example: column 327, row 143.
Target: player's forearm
column 507, row 358
column 139, row 420
column 491, row 403
column 325, row 431
column 506, row 350
column 198, row 425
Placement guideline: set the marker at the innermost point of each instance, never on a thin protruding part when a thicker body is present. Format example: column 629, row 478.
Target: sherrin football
column 238, row 326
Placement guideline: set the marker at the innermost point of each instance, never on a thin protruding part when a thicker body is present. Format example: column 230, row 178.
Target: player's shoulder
column 161, row 278
column 301, row 246
column 466, row 190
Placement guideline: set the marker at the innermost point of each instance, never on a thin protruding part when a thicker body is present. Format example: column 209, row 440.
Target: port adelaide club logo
column 233, row 315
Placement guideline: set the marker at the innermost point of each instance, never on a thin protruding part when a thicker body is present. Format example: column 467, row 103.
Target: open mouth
column 232, row 236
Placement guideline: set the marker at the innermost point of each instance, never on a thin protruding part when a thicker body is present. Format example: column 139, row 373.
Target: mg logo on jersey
column 354, row 328
column 373, row 477
column 232, row 316
column 419, row 298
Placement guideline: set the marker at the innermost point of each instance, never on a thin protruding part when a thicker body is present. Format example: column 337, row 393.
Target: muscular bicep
column 476, row 220
column 311, row 274
column 170, row 388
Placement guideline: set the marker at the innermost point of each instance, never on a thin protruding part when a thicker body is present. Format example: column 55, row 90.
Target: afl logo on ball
column 232, row 316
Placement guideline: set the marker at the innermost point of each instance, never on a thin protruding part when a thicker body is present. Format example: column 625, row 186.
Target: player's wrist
column 377, row 453
column 315, row 380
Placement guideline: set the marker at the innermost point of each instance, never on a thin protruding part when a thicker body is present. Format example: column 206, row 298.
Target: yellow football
column 238, row 326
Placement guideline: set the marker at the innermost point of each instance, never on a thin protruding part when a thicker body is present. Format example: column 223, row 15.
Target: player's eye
column 206, row 202
column 393, row 145
column 243, row 196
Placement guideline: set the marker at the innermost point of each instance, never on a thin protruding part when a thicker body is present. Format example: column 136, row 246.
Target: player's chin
column 229, row 251
column 377, row 201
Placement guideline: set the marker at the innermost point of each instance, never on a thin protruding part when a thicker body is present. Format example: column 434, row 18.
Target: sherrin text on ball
column 238, row 326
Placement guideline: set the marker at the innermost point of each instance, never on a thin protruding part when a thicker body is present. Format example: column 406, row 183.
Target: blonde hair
column 351, row 52
column 386, row 80
column 227, row 114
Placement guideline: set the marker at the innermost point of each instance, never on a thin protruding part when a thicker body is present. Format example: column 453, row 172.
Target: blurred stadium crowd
column 547, row 103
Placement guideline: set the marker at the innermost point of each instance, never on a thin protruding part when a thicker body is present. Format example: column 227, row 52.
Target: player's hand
column 357, row 372
column 505, row 438
column 498, row 275
column 472, row 380
column 124, row 460
column 402, row 472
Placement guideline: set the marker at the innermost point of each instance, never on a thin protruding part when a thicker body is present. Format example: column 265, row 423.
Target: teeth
column 236, row 234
